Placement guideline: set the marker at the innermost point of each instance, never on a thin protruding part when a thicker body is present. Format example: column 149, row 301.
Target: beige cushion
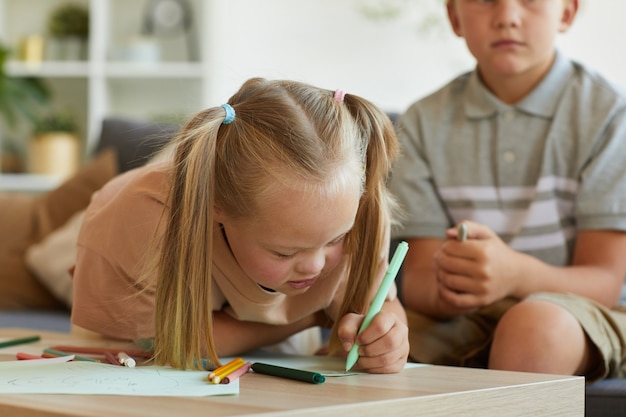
column 51, row 259
column 26, row 219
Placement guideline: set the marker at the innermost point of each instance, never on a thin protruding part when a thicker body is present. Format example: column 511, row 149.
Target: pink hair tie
column 339, row 95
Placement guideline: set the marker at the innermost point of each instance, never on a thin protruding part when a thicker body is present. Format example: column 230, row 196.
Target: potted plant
column 54, row 149
column 68, row 26
column 20, row 99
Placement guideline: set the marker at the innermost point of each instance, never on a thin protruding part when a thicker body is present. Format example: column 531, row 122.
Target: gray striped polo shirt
column 534, row 172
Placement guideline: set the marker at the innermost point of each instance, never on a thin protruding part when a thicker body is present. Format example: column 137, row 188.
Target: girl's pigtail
column 183, row 300
column 369, row 238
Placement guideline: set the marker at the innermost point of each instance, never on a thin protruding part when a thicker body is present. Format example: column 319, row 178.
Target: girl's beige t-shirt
column 122, row 223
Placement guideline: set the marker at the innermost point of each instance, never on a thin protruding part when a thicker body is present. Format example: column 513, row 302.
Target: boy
column 526, row 151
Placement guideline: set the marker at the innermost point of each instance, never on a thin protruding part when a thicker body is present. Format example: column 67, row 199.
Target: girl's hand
column 383, row 345
column 478, row 271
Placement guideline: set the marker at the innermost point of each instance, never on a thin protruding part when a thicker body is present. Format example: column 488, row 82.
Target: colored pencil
column 216, row 375
column 26, row 356
column 46, row 357
column 101, row 350
column 19, row 341
column 212, row 372
column 111, row 359
column 223, row 374
column 236, row 373
column 76, row 357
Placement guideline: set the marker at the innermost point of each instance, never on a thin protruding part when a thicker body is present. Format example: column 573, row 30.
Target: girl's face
column 511, row 37
column 294, row 240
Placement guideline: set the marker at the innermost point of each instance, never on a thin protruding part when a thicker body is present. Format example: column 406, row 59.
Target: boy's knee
column 533, row 334
column 530, row 319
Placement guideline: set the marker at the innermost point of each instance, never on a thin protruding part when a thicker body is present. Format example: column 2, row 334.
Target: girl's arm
column 234, row 337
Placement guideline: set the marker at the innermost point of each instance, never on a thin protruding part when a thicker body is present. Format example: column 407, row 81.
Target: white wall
column 331, row 43
column 598, row 37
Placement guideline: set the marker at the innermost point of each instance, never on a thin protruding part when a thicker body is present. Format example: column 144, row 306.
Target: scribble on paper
column 98, row 378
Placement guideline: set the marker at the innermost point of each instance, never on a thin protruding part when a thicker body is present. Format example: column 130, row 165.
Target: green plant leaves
column 20, row 97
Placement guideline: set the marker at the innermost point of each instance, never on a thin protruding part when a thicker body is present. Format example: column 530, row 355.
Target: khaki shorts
column 465, row 340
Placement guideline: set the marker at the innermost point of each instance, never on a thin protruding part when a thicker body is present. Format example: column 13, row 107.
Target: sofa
column 39, row 230
column 38, row 299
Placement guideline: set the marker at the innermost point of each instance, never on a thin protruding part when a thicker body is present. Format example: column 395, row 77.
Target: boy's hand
column 384, row 344
column 478, row 271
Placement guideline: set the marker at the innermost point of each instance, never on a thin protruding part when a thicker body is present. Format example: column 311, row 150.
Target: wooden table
column 419, row 391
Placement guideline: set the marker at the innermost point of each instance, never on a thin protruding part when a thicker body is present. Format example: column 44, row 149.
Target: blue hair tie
column 230, row 114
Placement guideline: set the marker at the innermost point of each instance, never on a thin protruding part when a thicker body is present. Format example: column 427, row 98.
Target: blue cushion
column 50, row 320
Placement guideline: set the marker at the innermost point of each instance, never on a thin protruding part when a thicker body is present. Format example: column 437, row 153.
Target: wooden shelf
column 52, row 69
column 130, row 70
column 101, row 86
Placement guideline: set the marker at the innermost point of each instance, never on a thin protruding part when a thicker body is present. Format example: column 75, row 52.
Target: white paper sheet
column 22, row 377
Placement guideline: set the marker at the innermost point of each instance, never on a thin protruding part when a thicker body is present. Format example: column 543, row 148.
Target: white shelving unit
column 105, row 84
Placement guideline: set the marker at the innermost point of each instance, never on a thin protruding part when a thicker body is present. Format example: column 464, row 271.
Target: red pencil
column 111, row 358
column 25, row 356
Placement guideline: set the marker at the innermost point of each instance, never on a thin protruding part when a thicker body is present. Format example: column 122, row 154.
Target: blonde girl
column 271, row 217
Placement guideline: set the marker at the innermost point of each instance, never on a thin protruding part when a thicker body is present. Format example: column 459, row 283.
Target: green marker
column 379, row 299
column 289, row 373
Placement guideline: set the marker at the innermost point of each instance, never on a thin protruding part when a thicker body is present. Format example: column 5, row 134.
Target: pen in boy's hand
column 461, row 234
column 379, row 299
